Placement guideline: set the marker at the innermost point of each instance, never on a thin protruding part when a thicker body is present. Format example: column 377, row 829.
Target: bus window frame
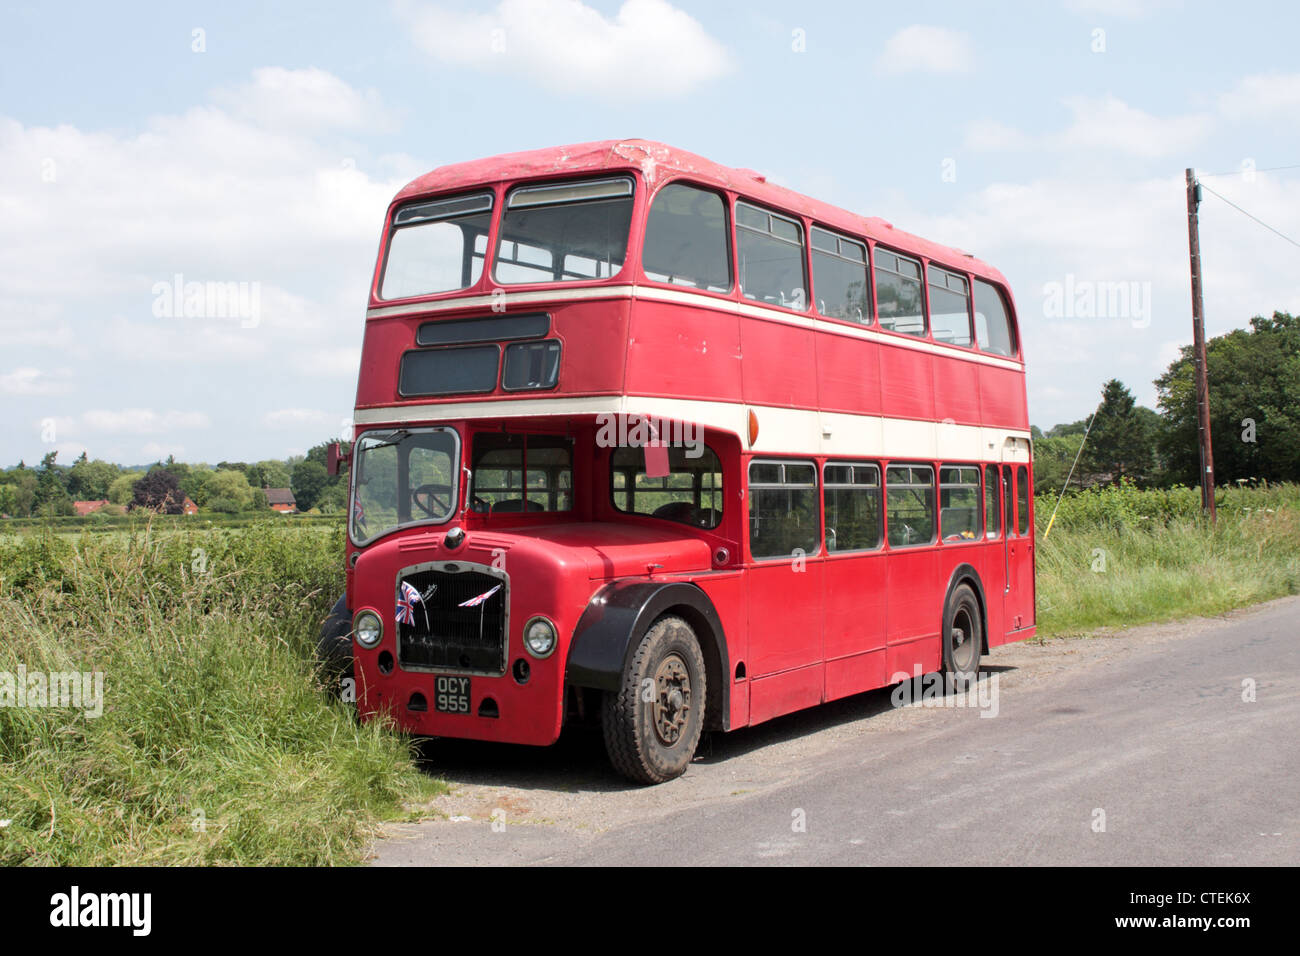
column 970, row 305
column 815, row 486
column 801, row 221
column 728, row 212
column 879, row 488
column 871, row 319
column 923, row 262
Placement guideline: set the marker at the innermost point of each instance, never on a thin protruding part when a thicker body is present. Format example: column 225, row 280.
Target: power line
column 1248, row 215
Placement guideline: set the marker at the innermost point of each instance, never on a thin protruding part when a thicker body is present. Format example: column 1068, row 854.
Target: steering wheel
column 433, row 494
column 479, row 504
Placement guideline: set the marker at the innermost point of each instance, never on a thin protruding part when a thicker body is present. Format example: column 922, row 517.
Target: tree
column 275, row 474
column 230, row 488
column 90, row 480
column 308, row 481
column 195, row 484
column 51, row 492
column 1254, row 377
column 1121, row 443
column 160, row 491
column 122, row 489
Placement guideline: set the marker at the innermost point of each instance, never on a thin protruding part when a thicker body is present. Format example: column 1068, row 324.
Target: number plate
column 451, row 695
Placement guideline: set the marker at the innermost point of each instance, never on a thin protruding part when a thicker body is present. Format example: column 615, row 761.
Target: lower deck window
column 691, row 492
column 522, row 473
column 959, row 503
column 783, row 509
column 852, row 494
column 909, row 498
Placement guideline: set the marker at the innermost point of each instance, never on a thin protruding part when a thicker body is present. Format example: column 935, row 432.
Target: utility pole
column 1198, row 347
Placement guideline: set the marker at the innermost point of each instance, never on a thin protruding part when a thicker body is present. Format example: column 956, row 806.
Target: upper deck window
column 436, row 246
column 840, row 277
column 564, row 232
column 992, row 321
column 770, row 247
column 898, row 293
column 949, row 307
column 686, row 239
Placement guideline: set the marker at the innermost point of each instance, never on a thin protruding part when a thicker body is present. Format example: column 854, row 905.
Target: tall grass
column 217, row 742
column 1121, row 556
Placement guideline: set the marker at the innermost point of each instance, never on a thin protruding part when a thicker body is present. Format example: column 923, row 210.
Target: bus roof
column 658, row 163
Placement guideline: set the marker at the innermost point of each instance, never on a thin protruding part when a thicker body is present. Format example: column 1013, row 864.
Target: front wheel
column 652, row 723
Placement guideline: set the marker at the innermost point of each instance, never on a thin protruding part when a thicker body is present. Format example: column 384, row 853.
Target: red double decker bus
column 645, row 439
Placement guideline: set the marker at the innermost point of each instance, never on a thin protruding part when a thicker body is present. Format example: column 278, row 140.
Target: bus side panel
column 1002, row 398
column 907, row 385
column 915, row 601
column 593, row 338
column 956, row 391
column 779, row 694
column 848, row 375
column 780, row 364
column 727, row 592
column 854, row 624
column 678, row 351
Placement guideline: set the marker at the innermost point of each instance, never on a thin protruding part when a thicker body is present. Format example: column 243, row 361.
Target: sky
column 145, row 145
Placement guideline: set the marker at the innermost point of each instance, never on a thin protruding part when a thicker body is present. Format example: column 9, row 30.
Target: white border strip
column 780, row 430
column 685, row 297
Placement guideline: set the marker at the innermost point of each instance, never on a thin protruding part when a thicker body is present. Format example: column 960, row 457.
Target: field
column 218, row 742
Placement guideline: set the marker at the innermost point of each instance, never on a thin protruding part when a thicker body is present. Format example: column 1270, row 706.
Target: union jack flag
column 358, row 516
column 476, row 601
column 406, row 601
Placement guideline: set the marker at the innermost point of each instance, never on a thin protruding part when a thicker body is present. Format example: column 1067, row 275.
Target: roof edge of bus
column 658, row 162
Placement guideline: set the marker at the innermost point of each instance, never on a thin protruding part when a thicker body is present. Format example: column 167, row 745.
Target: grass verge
column 217, row 743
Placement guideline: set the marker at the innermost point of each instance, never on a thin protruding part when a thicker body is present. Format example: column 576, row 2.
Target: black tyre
column 963, row 637
column 652, row 723
column 334, row 647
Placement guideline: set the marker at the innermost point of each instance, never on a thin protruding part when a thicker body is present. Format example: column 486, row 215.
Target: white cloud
column 142, row 421
column 341, row 362
column 32, row 381
column 926, row 49
column 297, row 418
column 1263, row 95
column 1099, row 124
column 648, row 48
column 990, row 135
column 1121, row 9
column 306, row 99
column 1109, row 123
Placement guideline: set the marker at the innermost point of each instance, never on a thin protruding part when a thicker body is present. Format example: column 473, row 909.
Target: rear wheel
column 963, row 632
column 652, row 723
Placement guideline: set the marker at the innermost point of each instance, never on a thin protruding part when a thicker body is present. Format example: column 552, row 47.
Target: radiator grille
column 447, row 636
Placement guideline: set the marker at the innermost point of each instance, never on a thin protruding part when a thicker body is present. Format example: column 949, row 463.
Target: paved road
column 1147, row 727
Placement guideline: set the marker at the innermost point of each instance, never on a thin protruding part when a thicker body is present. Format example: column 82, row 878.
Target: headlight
column 539, row 637
column 368, row 628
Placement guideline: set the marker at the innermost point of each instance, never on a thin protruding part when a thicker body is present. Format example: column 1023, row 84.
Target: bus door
column 1020, row 595
column 994, row 569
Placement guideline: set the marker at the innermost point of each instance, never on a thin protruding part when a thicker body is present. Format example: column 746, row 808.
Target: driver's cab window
column 515, row 474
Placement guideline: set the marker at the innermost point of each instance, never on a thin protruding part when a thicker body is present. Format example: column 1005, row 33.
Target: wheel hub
column 672, row 706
